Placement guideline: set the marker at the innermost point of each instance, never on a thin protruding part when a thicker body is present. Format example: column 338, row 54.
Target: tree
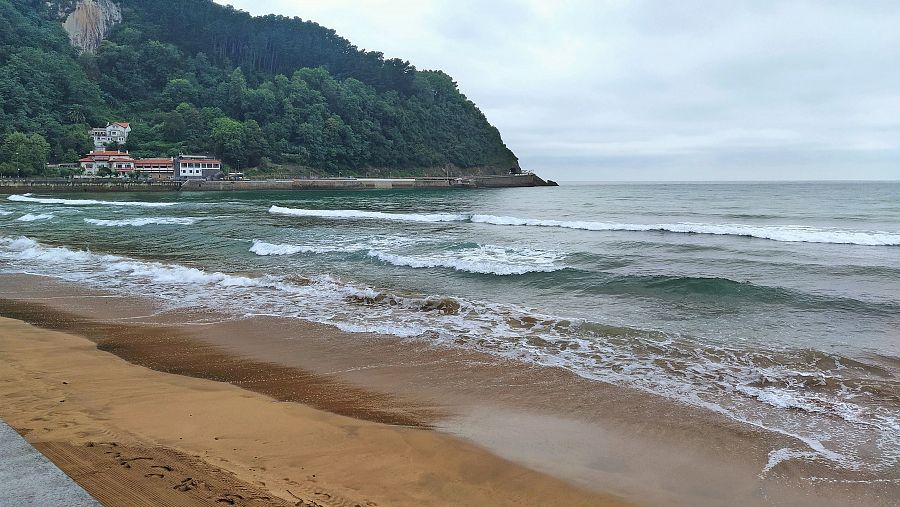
column 178, row 91
column 291, row 90
column 228, row 140
column 255, row 144
column 24, row 155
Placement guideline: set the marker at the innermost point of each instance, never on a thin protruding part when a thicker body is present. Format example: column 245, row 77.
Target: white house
column 119, row 162
column 113, row 133
column 191, row 167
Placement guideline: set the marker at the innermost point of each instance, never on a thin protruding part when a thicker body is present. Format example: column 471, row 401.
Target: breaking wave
column 488, row 260
column 368, row 215
column 783, row 233
column 34, row 218
column 265, row 249
column 140, row 222
column 86, row 202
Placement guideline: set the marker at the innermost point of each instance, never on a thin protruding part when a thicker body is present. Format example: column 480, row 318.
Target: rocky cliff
column 90, row 22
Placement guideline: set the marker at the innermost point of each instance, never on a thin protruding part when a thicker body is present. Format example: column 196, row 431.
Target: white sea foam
column 777, row 456
column 263, row 248
column 27, row 249
column 368, row 215
column 86, row 202
column 485, row 260
column 783, row 233
column 30, row 217
column 492, row 260
column 140, row 222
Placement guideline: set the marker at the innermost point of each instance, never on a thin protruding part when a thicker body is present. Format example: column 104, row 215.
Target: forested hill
column 193, row 76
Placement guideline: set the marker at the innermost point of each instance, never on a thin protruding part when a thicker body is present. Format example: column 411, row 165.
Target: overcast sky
column 656, row 90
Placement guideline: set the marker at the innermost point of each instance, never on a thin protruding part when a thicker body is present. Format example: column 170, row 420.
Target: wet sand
column 133, row 436
column 566, row 434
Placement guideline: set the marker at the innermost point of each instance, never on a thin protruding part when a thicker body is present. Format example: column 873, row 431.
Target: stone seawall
column 21, row 186
column 524, row 180
column 54, row 186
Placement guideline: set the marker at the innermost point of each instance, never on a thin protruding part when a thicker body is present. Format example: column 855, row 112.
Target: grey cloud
column 693, row 89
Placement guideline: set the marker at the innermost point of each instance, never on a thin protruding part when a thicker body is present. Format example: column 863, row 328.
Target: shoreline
column 601, row 438
column 129, row 434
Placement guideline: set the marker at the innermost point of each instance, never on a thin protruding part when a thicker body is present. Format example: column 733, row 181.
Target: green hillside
column 194, row 76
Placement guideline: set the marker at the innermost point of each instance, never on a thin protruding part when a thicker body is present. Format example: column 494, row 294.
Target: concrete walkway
column 28, row 479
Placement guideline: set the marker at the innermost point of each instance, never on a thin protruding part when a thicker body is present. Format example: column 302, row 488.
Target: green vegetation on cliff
column 194, row 76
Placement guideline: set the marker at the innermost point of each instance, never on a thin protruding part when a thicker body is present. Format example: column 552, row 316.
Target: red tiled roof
column 200, row 160
column 124, row 124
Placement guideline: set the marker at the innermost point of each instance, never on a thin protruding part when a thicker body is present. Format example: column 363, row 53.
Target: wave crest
column 488, row 260
column 140, row 222
column 86, row 202
column 30, row 217
column 368, row 215
column 782, row 233
column 484, row 260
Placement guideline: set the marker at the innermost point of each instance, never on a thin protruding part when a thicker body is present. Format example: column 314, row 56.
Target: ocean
column 774, row 304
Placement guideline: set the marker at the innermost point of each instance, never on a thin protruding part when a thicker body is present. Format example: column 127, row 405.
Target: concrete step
column 28, row 479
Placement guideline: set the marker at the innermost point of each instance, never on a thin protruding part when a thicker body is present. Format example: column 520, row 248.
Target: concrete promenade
column 28, row 479
column 62, row 185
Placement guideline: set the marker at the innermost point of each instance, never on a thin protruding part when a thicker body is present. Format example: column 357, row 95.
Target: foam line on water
column 85, row 202
column 266, row 249
column 486, row 259
column 141, row 222
column 30, row 217
column 783, row 233
column 368, row 215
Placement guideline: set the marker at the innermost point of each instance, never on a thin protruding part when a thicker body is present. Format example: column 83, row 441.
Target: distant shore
column 77, row 185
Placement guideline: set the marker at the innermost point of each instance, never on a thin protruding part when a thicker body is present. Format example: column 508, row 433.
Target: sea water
column 777, row 305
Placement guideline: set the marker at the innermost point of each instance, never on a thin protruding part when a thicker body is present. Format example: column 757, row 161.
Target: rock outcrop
column 91, row 22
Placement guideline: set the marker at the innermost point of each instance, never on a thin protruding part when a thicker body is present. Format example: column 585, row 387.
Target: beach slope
column 133, row 436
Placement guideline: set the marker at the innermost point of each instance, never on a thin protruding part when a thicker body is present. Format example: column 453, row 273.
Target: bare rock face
column 91, row 22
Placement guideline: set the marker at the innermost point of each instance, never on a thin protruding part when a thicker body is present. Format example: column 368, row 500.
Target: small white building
column 113, row 133
column 118, row 162
column 193, row 167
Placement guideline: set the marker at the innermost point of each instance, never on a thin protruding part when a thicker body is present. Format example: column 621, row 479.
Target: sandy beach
column 133, row 436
